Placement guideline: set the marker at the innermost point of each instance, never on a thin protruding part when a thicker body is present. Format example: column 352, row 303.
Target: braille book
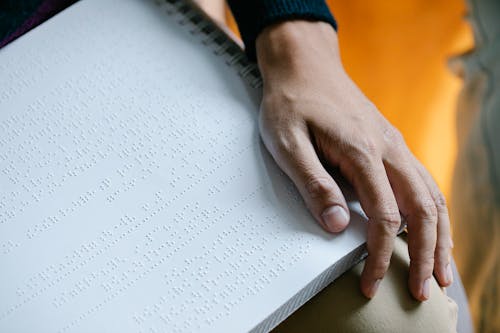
column 135, row 192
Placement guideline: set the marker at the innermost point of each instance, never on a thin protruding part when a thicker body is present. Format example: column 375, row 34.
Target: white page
column 135, row 194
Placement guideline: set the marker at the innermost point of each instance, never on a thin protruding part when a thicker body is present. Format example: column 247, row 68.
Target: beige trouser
column 342, row 308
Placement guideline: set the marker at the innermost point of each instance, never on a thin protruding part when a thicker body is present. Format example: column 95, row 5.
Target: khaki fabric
column 342, row 308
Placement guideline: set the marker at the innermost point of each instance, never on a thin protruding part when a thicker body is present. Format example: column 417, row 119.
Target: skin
column 312, row 112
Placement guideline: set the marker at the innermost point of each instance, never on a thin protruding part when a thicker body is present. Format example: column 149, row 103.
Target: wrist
column 293, row 46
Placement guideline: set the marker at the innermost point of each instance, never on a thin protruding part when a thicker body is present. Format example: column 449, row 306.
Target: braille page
column 135, row 193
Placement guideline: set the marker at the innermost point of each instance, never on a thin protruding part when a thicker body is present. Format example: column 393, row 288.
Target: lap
column 342, row 308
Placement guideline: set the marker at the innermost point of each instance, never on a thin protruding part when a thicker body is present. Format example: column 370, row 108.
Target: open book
column 135, row 193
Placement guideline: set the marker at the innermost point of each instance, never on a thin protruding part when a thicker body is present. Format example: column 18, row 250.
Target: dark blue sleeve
column 252, row 16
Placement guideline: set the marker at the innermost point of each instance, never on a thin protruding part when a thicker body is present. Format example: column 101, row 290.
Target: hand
column 311, row 112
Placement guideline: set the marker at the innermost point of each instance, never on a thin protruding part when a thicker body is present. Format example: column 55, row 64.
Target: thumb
column 320, row 192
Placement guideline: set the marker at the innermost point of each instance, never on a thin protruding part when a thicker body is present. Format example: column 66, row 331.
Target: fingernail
column 451, row 243
column 335, row 218
column 449, row 274
column 374, row 288
column 426, row 288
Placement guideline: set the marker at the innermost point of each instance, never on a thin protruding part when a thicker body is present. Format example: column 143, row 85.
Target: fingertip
column 335, row 218
column 449, row 274
column 445, row 276
column 370, row 288
column 369, row 282
column 421, row 290
column 425, row 290
column 442, row 267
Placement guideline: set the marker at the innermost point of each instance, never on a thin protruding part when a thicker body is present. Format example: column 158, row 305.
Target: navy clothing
column 252, row 16
column 19, row 16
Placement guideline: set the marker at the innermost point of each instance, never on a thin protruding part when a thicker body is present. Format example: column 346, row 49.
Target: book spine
column 210, row 34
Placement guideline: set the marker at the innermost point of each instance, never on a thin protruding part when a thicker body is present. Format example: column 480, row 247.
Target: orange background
column 397, row 54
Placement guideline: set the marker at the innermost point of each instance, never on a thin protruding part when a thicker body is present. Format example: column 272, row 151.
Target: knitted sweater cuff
column 252, row 16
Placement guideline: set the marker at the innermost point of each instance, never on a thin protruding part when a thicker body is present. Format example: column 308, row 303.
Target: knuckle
column 390, row 221
column 281, row 134
column 425, row 211
column 357, row 158
column 380, row 266
column 393, row 224
column 383, row 263
column 365, row 146
column 393, row 136
column 422, row 260
column 368, row 146
column 285, row 142
column 318, row 187
column 395, row 144
column 359, row 151
column 442, row 249
column 421, row 256
column 439, row 200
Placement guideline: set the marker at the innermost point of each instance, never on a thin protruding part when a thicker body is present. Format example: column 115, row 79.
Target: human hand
column 311, row 112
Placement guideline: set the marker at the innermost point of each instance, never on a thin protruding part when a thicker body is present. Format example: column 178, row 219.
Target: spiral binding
column 211, row 35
